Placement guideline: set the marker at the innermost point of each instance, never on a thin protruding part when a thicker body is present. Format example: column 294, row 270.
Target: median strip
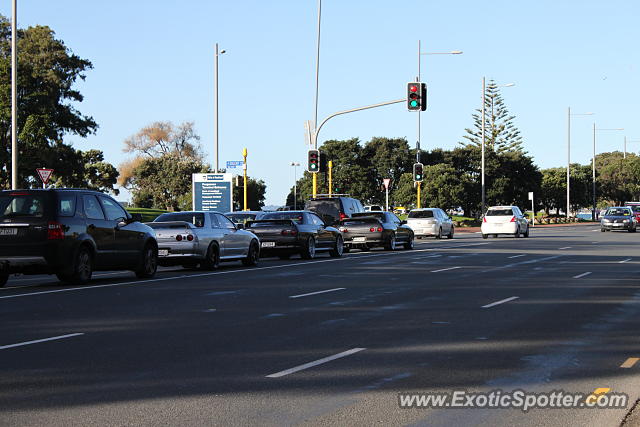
column 315, row 363
column 493, row 304
column 20, row 344
column 316, row 293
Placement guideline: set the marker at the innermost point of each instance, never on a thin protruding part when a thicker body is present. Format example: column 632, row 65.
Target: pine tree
column 501, row 135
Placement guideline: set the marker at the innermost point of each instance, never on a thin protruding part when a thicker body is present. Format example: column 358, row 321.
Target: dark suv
column 334, row 208
column 70, row 233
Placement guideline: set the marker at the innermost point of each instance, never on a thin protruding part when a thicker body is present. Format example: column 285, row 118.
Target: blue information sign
column 234, row 163
column 212, row 192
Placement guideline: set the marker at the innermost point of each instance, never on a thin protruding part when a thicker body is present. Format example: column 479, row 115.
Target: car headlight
column 606, row 220
column 625, row 221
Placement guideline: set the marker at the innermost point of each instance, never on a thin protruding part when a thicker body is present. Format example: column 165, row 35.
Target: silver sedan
column 203, row 238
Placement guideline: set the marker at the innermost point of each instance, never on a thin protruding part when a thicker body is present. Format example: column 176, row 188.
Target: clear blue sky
column 154, row 61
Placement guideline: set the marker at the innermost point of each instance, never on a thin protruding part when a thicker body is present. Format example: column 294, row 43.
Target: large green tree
column 618, row 178
column 256, row 190
column 47, row 74
column 501, row 134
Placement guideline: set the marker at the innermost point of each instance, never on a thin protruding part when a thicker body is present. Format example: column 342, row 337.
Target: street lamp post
column 625, row 145
column 14, row 96
column 569, row 114
column 482, row 161
column 215, row 95
column 295, row 185
column 593, row 167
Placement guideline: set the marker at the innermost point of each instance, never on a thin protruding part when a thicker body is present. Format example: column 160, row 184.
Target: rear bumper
column 500, row 228
column 23, row 264
column 429, row 230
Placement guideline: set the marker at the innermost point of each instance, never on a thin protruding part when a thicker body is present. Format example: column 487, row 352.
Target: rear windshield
column 22, row 205
column 618, row 211
column 379, row 215
column 241, row 217
column 195, row 218
column 359, row 221
column 294, row 216
column 324, row 207
column 421, row 214
column 167, row 226
column 500, row 212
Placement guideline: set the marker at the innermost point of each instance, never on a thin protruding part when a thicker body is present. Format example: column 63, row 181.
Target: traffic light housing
column 323, row 162
column 416, row 96
column 418, row 174
column 313, row 161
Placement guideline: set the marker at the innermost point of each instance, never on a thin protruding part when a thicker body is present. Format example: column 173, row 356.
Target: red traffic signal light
column 416, row 96
column 313, row 161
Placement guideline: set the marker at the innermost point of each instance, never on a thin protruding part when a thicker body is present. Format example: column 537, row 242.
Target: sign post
column 244, row 171
column 386, row 183
column 45, row 175
column 212, row 192
column 533, row 211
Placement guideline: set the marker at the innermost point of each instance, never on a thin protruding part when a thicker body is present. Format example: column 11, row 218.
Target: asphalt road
column 332, row 341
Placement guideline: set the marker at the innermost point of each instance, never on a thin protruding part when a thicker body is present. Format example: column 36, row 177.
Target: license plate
column 268, row 244
column 618, row 225
column 359, row 239
column 8, row 231
column 163, row 252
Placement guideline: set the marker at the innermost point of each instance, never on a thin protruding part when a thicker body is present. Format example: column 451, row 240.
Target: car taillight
column 379, row 229
column 484, row 219
column 343, row 230
column 513, row 219
column 289, row 232
column 190, row 237
column 372, row 229
column 179, row 237
column 55, row 231
column 342, row 215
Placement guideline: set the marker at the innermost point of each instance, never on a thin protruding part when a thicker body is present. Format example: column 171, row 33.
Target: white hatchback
column 504, row 220
column 430, row 222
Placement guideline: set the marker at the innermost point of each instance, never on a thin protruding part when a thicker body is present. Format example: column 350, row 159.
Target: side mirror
column 240, row 226
column 136, row 217
column 403, row 222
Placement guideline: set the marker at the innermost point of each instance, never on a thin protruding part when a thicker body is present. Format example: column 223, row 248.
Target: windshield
column 294, row 216
column 618, row 212
column 421, row 214
column 21, row 204
column 322, row 207
column 195, row 218
column 500, row 212
column 379, row 215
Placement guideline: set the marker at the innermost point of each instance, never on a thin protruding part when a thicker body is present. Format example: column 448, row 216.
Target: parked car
column 504, row 220
column 333, row 208
column 296, row 232
column 618, row 218
column 430, row 222
column 372, row 229
column 369, row 208
column 400, row 210
column 71, row 233
column 203, row 238
column 241, row 217
column 635, row 207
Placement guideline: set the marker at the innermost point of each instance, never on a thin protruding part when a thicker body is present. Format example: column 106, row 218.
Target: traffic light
column 417, row 172
column 416, row 96
column 313, row 163
column 323, row 162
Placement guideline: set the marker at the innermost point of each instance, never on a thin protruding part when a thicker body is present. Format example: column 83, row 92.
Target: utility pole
column 330, row 168
column 14, row 95
column 244, row 167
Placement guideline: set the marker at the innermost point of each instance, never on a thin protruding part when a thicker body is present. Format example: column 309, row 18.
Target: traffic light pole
column 330, row 167
column 244, row 167
column 418, row 204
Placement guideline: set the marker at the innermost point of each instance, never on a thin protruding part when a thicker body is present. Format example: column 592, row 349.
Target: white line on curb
column 20, row 344
column 315, row 363
column 499, row 302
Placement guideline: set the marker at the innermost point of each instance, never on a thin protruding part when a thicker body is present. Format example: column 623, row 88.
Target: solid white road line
column 624, row 260
column 499, row 302
column 20, row 344
column 315, row 363
column 517, row 256
column 316, row 293
column 444, row 269
column 582, row 275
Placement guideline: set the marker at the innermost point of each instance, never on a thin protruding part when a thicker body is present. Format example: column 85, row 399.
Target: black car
column 371, row 229
column 289, row 232
column 618, row 218
column 334, row 208
column 70, row 233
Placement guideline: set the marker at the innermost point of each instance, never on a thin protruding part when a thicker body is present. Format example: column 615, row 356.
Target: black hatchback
column 70, row 233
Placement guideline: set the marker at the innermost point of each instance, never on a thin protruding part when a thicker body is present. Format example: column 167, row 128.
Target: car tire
column 632, row 230
column 526, row 233
column 391, row 244
column 212, row 259
column 338, row 248
column 253, row 255
column 602, row 230
column 495, row 236
column 439, row 235
column 517, row 233
column 309, row 249
column 450, row 235
column 409, row 245
column 485, row 236
column 81, row 270
column 3, row 279
column 148, row 262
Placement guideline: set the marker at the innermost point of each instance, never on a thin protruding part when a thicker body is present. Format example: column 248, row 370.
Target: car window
column 225, row 222
column 214, row 220
column 66, row 204
column 500, row 212
column 195, row 218
column 421, row 214
column 619, row 212
column 315, row 219
column 112, row 209
column 393, row 218
column 92, row 209
column 296, row 217
column 20, row 204
column 444, row 215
